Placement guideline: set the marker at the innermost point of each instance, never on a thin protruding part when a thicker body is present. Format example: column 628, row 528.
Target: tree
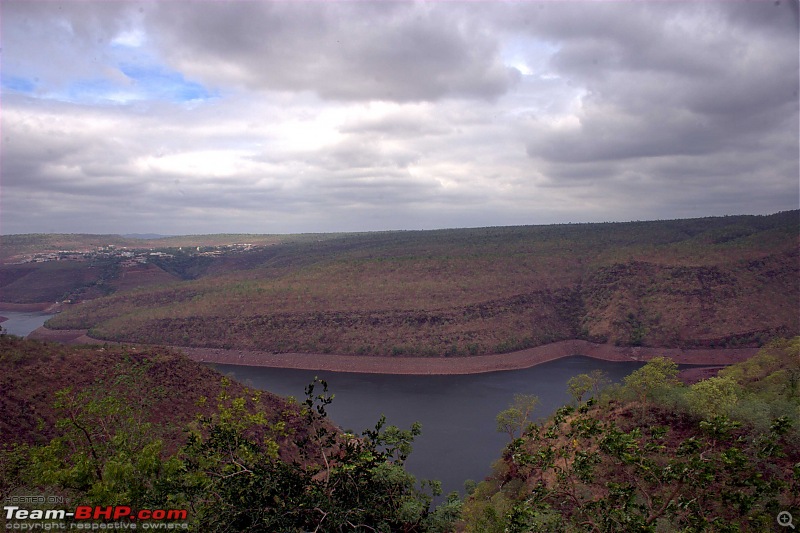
column 600, row 469
column 600, row 381
column 658, row 374
column 14, row 464
column 581, row 384
column 240, row 469
column 592, row 470
column 106, row 453
column 713, row 397
column 513, row 420
column 578, row 386
column 340, row 482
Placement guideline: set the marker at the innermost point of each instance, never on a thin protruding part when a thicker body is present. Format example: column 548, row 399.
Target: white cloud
column 176, row 117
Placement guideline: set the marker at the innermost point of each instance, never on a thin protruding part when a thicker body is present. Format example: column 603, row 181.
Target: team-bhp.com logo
column 87, row 517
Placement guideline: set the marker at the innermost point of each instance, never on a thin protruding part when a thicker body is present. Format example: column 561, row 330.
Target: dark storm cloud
column 46, row 152
column 176, row 117
column 662, row 84
column 398, row 52
column 42, row 39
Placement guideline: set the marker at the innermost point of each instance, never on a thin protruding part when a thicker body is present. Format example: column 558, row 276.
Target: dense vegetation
column 655, row 455
column 716, row 282
column 150, row 429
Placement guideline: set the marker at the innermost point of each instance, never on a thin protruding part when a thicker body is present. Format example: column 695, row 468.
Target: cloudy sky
column 179, row 117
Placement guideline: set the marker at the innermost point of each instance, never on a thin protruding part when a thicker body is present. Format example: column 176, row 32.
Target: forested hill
column 652, row 454
column 710, row 282
column 150, row 429
column 164, row 388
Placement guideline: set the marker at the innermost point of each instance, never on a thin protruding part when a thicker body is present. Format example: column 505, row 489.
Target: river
column 22, row 323
column 458, row 440
column 457, row 413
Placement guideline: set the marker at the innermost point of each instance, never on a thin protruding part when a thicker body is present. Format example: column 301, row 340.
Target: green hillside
column 149, row 429
column 716, row 282
column 656, row 455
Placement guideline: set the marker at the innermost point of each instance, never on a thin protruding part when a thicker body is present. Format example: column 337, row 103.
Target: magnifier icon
column 785, row 519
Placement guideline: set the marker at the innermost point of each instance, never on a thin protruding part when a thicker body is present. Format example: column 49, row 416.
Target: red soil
column 438, row 365
column 24, row 308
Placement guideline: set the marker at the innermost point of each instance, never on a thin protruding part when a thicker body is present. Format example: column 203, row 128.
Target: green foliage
column 578, row 386
column 588, row 473
column 340, row 483
column 767, row 385
column 14, row 464
column 513, row 420
column 239, row 470
column 638, row 330
column 713, row 397
column 658, row 374
column 106, row 453
column 594, row 382
column 690, row 467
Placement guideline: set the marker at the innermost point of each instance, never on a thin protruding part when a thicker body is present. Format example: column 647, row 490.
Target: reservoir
column 22, row 323
column 459, row 440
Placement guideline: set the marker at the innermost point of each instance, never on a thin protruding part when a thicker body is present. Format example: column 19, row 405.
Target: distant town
column 131, row 257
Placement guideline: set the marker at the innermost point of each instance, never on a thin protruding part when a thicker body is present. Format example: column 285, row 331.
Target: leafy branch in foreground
column 239, row 470
column 106, row 453
column 339, row 482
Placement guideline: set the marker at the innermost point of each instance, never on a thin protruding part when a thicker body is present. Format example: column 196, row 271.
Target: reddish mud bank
column 25, row 308
column 464, row 365
column 66, row 336
column 690, row 376
column 432, row 366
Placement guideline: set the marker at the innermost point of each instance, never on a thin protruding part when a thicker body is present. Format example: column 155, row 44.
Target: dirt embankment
column 464, row 365
column 431, row 366
column 48, row 307
column 65, row 336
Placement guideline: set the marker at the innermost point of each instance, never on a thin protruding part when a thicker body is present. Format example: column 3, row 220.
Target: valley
column 728, row 282
column 446, row 327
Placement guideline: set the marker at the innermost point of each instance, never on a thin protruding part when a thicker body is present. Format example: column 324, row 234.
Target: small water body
column 22, row 323
column 459, row 440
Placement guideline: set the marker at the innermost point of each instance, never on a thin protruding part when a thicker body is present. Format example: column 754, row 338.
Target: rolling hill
column 710, row 282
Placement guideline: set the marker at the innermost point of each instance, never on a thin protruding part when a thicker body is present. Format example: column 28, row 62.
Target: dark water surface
column 22, row 323
column 458, row 440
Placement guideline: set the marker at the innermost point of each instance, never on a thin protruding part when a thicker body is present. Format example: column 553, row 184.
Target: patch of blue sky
column 139, row 83
column 97, row 91
column 142, row 84
column 17, row 84
column 529, row 55
column 156, row 82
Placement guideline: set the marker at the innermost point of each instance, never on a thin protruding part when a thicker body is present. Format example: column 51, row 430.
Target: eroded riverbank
column 432, row 366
